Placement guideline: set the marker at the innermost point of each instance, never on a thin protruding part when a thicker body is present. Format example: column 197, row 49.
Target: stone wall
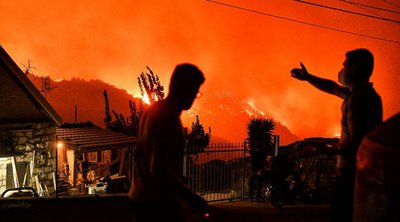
column 3, row 173
column 38, row 143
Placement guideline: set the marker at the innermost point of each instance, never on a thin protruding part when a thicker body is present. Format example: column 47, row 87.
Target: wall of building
column 38, row 143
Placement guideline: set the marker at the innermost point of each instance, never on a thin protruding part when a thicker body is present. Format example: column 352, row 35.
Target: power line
column 301, row 22
column 361, row 7
column 370, row 6
column 390, row 3
column 347, row 11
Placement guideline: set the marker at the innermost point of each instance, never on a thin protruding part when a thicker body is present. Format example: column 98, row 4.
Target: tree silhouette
column 120, row 124
column 108, row 118
column 150, row 86
column 260, row 134
column 136, row 113
column 197, row 139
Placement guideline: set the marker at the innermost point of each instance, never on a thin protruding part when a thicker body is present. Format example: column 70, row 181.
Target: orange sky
column 248, row 54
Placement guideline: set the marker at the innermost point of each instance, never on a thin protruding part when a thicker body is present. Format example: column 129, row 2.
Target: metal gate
column 217, row 172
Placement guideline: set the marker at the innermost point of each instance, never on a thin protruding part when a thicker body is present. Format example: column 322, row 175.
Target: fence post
column 276, row 145
column 244, row 168
column 131, row 169
column 185, row 163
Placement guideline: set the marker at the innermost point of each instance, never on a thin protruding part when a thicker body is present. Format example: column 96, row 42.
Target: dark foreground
column 243, row 210
column 117, row 208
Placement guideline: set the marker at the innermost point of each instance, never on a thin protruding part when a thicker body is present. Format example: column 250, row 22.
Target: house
column 27, row 133
column 89, row 152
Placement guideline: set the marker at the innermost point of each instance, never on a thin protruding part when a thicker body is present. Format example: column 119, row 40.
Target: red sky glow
column 245, row 53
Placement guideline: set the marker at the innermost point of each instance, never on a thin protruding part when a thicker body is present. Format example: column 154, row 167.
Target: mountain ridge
column 87, row 96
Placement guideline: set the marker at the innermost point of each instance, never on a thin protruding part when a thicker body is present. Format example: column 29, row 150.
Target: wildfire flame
column 254, row 110
column 145, row 99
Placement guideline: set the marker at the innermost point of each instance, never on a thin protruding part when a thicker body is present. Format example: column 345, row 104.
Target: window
column 106, row 156
column 92, row 157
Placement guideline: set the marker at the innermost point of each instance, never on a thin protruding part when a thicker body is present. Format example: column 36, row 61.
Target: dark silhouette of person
column 361, row 112
column 282, row 167
column 158, row 189
column 376, row 194
column 258, row 157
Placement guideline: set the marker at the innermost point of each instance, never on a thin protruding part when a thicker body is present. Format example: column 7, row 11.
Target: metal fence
column 217, row 172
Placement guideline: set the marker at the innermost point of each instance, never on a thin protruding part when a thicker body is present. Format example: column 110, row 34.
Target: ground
column 252, row 211
column 118, row 208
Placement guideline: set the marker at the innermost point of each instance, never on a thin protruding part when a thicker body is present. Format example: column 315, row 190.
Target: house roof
column 87, row 137
column 21, row 101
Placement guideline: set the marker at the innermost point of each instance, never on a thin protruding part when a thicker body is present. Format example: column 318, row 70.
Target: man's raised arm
column 325, row 85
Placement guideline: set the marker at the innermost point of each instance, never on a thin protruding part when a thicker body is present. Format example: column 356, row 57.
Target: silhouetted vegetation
column 151, row 88
column 107, row 119
column 260, row 134
column 119, row 124
column 136, row 112
column 197, row 139
column 315, row 163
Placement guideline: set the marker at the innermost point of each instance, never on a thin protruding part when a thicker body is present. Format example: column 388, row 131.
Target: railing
column 217, row 172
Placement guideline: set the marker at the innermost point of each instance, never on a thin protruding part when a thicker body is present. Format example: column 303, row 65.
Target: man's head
column 357, row 68
column 184, row 86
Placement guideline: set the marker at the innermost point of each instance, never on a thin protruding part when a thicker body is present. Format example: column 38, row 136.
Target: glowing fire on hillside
column 145, row 99
column 254, row 111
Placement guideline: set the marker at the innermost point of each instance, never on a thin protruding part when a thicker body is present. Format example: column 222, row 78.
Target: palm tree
column 260, row 134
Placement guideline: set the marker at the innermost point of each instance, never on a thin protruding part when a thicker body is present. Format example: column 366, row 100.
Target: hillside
column 224, row 109
column 88, row 97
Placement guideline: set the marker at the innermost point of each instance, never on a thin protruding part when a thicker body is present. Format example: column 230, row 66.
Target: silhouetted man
column 258, row 157
column 282, row 167
column 158, row 187
column 361, row 112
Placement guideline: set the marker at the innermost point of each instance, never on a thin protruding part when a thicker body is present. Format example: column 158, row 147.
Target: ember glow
column 242, row 52
column 145, row 99
column 254, row 112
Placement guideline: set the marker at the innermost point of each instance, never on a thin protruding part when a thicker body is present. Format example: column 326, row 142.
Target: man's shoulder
column 366, row 95
column 364, row 100
column 157, row 109
column 366, row 90
column 159, row 114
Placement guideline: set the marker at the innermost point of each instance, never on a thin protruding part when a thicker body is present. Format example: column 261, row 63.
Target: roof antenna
column 76, row 114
